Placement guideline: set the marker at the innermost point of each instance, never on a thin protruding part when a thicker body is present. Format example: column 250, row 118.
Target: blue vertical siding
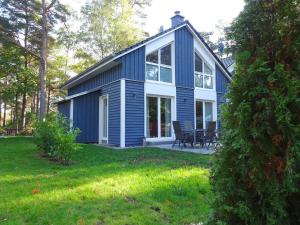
column 133, row 65
column 103, row 78
column 185, row 104
column 134, row 119
column 184, row 58
column 222, row 81
column 114, row 110
column 86, row 114
column 221, row 87
column 86, row 117
column 64, row 108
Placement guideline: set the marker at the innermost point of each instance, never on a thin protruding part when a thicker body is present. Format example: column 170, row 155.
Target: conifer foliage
column 256, row 174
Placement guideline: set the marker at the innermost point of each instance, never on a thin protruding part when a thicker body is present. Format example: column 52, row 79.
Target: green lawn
column 103, row 186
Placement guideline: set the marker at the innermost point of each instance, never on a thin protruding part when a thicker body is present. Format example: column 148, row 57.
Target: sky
column 204, row 15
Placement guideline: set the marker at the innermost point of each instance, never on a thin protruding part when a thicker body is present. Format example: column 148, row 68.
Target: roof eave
column 93, row 72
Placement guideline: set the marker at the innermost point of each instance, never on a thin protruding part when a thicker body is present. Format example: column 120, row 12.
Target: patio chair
column 181, row 136
column 209, row 137
column 188, row 127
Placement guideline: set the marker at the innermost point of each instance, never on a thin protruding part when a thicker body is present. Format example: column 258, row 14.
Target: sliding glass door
column 204, row 114
column 159, row 117
column 165, row 117
column 152, row 117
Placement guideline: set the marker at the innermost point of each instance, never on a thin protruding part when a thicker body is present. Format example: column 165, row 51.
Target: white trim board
column 160, row 89
column 71, row 116
column 123, row 112
column 159, row 43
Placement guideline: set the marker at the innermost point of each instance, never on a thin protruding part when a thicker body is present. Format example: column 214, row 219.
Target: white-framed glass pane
column 152, row 117
column 165, row 74
column 165, row 55
column 208, row 113
column 207, row 70
column 104, row 122
column 151, row 72
column 152, row 57
column 199, row 80
column 198, row 64
column 165, row 117
column 199, row 115
column 208, row 82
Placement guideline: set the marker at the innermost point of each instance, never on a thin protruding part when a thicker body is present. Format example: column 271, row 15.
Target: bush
column 256, row 175
column 2, row 131
column 56, row 138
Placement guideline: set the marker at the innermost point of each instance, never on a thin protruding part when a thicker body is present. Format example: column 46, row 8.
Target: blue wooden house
column 139, row 91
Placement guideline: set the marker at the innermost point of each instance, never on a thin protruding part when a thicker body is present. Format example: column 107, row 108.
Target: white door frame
column 101, row 102
column 214, row 111
column 173, row 117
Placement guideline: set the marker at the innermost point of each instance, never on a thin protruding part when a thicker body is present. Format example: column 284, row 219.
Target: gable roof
column 110, row 61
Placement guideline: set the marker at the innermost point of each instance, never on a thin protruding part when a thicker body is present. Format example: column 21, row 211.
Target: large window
column 203, row 74
column 204, row 114
column 159, row 65
column 158, row 117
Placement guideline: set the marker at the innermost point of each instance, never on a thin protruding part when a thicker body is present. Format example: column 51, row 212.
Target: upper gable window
column 203, row 74
column 159, row 65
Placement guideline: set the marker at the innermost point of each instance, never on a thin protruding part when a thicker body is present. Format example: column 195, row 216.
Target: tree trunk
column 12, row 115
column 22, row 120
column 16, row 117
column 32, row 108
column 48, row 102
column 43, row 61
column 0, row 111
column 37, row 103
column 4, row 115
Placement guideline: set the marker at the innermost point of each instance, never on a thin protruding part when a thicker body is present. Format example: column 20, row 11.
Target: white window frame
column 172, row 67
column 203, row 74
column 101, row 102
column 173, row 117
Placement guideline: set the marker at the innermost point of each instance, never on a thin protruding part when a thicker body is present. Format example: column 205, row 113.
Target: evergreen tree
column 256, row 174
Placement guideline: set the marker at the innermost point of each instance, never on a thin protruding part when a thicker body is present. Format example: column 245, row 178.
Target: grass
column 103, row 186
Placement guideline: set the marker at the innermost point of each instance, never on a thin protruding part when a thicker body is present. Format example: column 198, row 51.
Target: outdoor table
column 195, row 134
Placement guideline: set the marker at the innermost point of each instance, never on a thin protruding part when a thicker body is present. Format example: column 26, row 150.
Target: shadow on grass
column 177, row 201
column 135, row 186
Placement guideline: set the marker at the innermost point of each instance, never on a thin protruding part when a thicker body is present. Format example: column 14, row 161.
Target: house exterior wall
column 134, row 112
column 103, row 78
column 113, row 92
column 185, row 103
column 184, row 58
column 222, row 83
column 85, row 117
column 133, row 65
column 64, row 108
column 86, row 114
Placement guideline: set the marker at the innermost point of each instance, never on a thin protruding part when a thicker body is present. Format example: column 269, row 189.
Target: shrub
column 2, row 131
column 55, row 137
